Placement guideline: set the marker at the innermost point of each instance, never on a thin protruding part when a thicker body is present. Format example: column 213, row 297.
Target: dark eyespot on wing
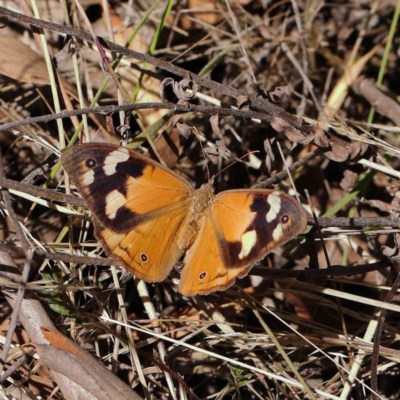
column 90, row 163
column 202, row 275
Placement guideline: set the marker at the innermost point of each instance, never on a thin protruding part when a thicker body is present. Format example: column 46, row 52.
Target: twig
column 139, row 106
column 377, row 338
column 12, row 369
column 67, row 258
column 11, row 213
column 334, row 270
column 36, row 191
column 361, row 222
column 16, row 309
column 382, row 103
column 283, row 174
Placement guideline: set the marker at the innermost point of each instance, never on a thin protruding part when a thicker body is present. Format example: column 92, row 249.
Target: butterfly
column 148, row 218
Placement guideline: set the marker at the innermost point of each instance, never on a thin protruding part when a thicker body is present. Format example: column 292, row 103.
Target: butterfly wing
column 252, row 223
column 204, row 270
column 150, row 250
column 139, row 206
column 241, row 227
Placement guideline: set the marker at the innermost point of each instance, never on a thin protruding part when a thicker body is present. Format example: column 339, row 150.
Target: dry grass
column 292, row 329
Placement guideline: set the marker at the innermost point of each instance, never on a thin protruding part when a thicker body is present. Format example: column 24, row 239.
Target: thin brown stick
column 377, row 338
column 11, row 213
column 67, row 258
column 382, row 103
column 45, row 193
column 139, row 106
column 14, row 367
column 16, row 308
column 334, row 270
column 280, row 176
column 361, row 222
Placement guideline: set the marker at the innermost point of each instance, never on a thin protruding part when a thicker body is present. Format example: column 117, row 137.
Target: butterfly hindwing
column 150, row 250
column 204, row 270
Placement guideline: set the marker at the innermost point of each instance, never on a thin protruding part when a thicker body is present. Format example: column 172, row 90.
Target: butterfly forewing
column 251, row 223
column 122, row 188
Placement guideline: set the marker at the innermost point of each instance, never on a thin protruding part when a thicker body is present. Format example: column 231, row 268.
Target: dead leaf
column 321, row 138
column 62, row 54
column 278, row 93
column 382, row 206
column 243, row 102
column 67, row 358
column 293, row 134
column 357, row 149
column 168, row 146
column 270, row 158
column 341, row 149
column 19, row 62
column 172, row 90
column 349, row 180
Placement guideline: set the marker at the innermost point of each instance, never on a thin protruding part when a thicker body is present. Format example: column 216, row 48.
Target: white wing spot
column 113, row 159
column 249, row 239
column 275, row 203
column 277, row 233
column 88, row 177
column 114, row 201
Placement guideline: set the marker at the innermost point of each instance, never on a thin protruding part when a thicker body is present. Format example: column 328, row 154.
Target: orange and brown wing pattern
column 146, row 216
column 121, row 187
column 150, row 250
column 240, row 228
column 204, row 269
column 138, row 206
column 251, row 223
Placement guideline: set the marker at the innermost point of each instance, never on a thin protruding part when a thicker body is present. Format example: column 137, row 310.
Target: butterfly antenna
column 197, row 133
column 234, row 162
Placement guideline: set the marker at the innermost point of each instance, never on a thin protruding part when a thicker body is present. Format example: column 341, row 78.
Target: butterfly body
column 200, row 201
column 148, row 218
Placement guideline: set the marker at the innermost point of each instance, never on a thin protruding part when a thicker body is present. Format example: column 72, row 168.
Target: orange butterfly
column 148, row 218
